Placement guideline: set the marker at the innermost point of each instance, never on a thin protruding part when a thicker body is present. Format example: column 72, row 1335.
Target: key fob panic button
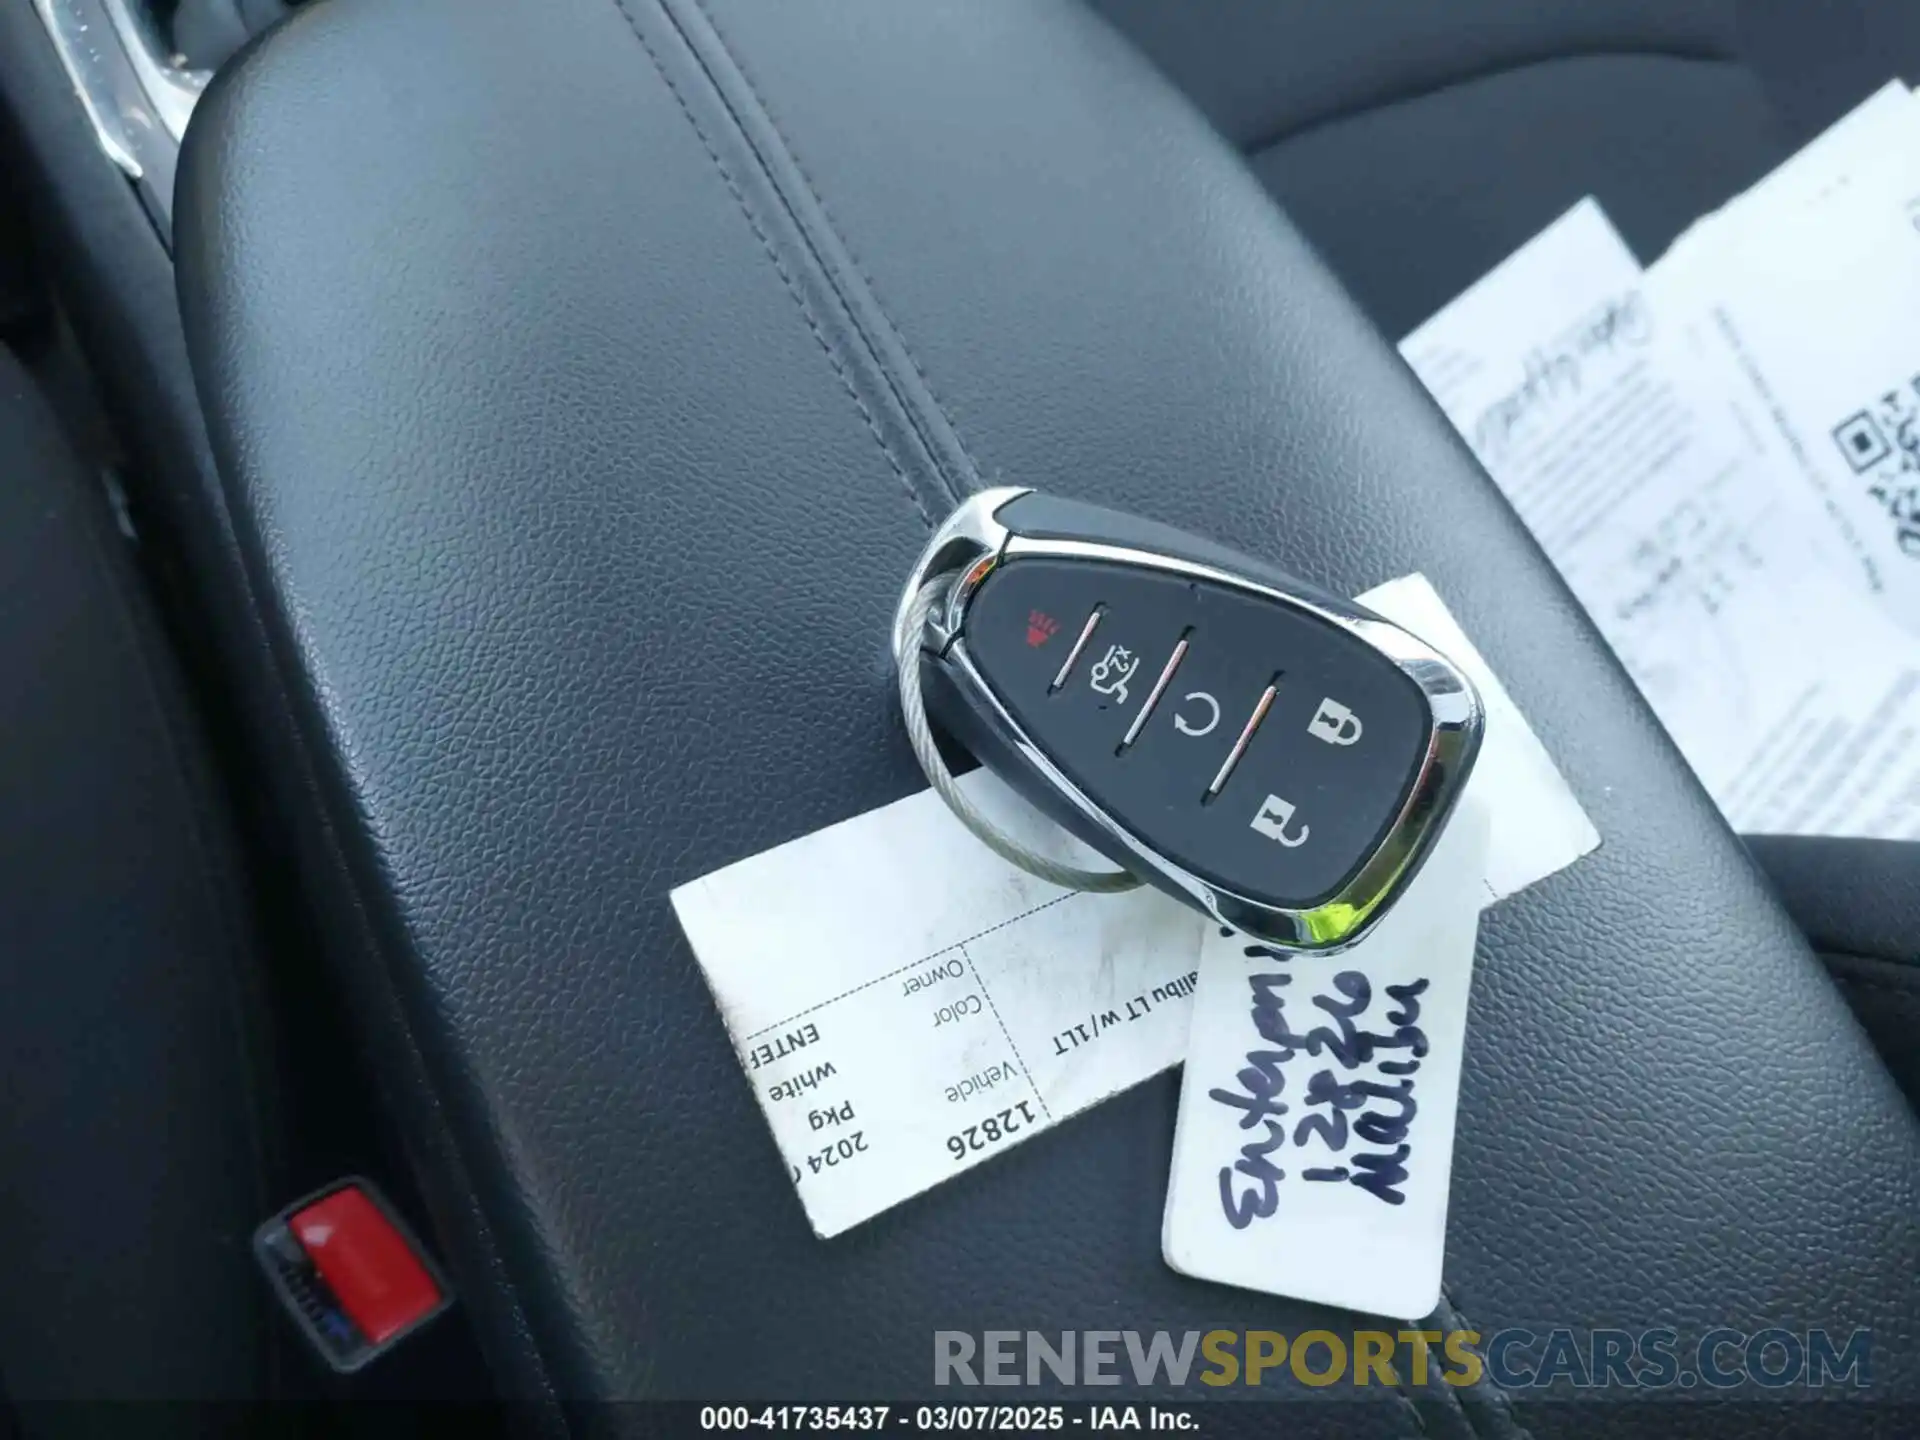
column 1256, row 745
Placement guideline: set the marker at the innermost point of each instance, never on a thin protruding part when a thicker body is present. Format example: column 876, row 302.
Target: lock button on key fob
column 1278, row 757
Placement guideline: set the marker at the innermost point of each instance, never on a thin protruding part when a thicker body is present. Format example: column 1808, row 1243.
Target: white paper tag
column 906, row 1004
column 1315, row 1142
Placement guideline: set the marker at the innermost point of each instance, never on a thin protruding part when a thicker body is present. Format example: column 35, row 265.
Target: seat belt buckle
column 355, row 1279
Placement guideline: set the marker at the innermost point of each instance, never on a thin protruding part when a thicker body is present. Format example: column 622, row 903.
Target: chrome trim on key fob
column 976, row 541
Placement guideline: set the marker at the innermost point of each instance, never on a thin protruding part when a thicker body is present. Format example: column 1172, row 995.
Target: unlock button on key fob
column 1335, row 724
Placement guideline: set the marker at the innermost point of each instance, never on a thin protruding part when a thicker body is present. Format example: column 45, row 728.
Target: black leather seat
column 1859, row 903
column 586, row 373
column 142, row 1133
column 1417, row 144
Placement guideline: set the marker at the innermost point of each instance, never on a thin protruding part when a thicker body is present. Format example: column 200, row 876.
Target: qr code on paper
column 1881, row 444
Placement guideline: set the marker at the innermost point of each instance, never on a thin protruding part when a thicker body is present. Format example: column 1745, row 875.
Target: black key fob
column 1273, row 755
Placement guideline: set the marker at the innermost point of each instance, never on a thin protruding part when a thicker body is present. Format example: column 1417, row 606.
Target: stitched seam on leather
column 779, row 265
column 1404, row 1392
column 839, row 231
column 1510, row 1428
column 1270, row 139
column 1407, row 1408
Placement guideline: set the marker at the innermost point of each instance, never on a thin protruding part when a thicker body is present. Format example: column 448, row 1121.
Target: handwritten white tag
column 1315, row 1142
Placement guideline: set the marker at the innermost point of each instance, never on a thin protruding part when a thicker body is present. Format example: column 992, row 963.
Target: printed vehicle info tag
column 928, row 1005
column 1315, row 1142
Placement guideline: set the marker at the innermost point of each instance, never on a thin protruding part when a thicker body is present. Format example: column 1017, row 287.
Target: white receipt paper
column 1722, row 456
column 1315, row 1143
column 907, row 1005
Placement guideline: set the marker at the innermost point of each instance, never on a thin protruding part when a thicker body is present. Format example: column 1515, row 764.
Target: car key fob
column 1278, row 757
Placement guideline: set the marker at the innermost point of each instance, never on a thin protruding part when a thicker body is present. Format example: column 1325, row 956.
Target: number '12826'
column 991, row 1131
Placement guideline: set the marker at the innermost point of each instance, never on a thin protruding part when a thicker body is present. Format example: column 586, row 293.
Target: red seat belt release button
column 354, row 1279
column 367, row 1264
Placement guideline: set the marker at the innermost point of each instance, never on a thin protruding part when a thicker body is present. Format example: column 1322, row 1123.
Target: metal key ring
column 920, row 737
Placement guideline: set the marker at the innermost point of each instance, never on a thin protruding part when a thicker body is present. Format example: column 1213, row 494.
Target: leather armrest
column 587, row 374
